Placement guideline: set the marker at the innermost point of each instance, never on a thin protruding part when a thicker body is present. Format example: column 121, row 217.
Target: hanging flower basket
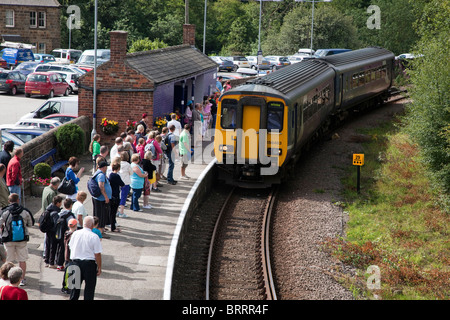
column 109, row 127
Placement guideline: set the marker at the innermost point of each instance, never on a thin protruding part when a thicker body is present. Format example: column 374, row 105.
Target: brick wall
column 50, row 35
column 189, row 34
column 116, row 75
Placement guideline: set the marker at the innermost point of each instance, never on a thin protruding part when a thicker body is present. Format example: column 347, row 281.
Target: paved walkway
column 133, row 261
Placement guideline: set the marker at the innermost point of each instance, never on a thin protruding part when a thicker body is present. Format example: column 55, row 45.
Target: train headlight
column 274, row 152
column 225, row 148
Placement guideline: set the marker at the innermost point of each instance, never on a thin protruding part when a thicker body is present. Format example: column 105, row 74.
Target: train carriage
column 263, row 125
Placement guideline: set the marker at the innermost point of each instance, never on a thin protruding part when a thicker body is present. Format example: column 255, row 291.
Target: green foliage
column 146, row 44
column 429, row 113
column 42, row 170
column 71, row 140
column 331, row 30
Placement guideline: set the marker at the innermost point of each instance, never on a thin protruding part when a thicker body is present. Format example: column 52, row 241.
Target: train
column 262, row 126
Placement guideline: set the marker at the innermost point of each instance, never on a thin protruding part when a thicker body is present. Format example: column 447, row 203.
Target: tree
column 146, row 44
column 331, row 30
column 429, row 113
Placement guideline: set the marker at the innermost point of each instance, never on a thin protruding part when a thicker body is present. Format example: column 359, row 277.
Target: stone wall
column 44, row 143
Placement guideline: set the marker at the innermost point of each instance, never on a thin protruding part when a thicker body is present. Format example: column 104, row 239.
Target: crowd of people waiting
column 136, row 168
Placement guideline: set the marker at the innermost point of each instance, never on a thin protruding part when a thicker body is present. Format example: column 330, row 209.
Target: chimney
column 118, row 46
column 189, row 34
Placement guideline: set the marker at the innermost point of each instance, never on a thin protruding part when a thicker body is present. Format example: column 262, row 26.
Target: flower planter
column 36, row 190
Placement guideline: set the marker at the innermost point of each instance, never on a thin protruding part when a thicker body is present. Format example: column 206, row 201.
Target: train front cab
column 250, row 139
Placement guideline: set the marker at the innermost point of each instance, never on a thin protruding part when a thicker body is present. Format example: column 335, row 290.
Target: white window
column 33, row 19
column 41, row 19
column 10, row 18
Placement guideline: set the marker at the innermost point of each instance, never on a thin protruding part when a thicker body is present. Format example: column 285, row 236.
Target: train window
column 228, row 115
column 275, row 116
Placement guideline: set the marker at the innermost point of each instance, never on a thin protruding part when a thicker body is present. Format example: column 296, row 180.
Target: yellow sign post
column 358, row 161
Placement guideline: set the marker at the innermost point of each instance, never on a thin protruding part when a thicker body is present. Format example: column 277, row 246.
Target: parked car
column 297, row 58
column 6, row 136
column 329, row 52
column 63, row 118
column 64, row 105
column 239, row 62
column 12, row 81
column 26, row 134
column 43, row 124
column 87, row 58
column 26, row 68
column 66, row 56
column 306, row 52
column 44, row 58
column 226, row 65
column 46, row 84
column 15, row 57
column 253, row 60
column 278, row 62
column 58, row 68
column 71, row 79
column 3, row 63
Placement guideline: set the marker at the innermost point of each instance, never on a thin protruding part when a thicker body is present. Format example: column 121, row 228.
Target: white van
column 64, row 105
column 87, row 58
column 66, row 56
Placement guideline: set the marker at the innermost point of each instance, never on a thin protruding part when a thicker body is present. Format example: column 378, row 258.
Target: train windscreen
column 228, row 116
column 275, row 116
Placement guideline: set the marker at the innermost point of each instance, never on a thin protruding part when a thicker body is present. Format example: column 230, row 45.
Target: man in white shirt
column 86, row 253
column 177, row 125
column 114, row 150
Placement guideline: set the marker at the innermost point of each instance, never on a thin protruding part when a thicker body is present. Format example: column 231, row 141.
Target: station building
column 156, row 82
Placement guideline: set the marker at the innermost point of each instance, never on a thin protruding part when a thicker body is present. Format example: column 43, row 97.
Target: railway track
column 239, row 256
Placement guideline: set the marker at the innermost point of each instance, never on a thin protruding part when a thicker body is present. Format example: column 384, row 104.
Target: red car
column 3, row 63
column 46, row 84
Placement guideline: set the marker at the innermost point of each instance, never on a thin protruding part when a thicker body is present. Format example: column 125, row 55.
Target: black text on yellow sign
column 358, row 159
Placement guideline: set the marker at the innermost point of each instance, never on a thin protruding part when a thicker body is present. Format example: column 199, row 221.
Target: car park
column 43, row 124
column 66, row 56
column 26, row 134
column 59, row 105
column 63, row 118
column 15, row 56
column 12, row 81
column 46, row 84
column 278, row 62
column 306, row 52
column 44, row 58
column 224, row 64
column 297, row 58
column 71, row 79
column 6, row 136
column 239, row 62
column 253, row 60
column 26, row 68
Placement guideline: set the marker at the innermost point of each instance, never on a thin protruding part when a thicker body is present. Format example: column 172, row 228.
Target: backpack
column 93, row 186
column 61, row 225
column 16, row 229
column 168, row 144
column 46, row 222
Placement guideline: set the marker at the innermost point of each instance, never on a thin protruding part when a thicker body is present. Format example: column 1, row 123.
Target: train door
column 249, row 141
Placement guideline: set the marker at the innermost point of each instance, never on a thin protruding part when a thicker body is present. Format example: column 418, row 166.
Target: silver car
column 253, row 60
column 278, row 62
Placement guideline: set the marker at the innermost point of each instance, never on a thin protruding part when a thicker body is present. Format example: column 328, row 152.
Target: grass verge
column 395, row 224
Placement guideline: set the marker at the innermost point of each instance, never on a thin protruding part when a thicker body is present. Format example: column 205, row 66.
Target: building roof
column 170, row 64
column 34, row 3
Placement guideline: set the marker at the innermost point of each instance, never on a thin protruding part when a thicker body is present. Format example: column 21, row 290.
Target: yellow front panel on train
column 250, row 125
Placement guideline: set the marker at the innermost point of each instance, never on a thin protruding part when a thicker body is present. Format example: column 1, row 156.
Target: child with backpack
column 60, row 229
column 73, row 225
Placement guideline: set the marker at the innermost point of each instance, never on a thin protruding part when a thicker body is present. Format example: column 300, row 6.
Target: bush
column 42, row 170
column 71, row 140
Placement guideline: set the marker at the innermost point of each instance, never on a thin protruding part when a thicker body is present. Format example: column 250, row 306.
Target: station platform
column 134, row 261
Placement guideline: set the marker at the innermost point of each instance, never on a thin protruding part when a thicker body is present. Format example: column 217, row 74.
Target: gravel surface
column 305, row 204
